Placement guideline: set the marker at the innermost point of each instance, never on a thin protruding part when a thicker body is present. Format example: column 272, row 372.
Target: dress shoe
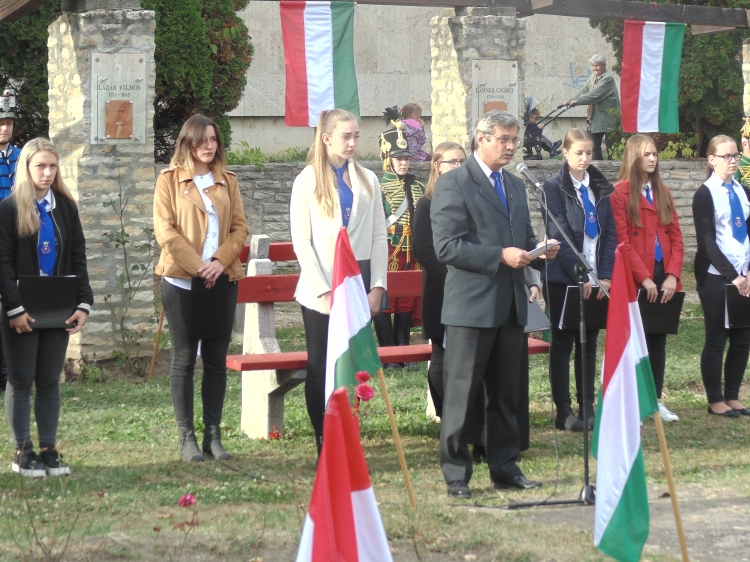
column 519, row 481
column 478, row 454
column 743, row 411
column 459, row 489
column 731, row 413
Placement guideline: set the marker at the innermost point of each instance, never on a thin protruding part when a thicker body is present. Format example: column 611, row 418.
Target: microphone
column 523, row 169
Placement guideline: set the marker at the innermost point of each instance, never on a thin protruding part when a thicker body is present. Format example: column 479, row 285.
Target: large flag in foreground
column 628, row 395
column 319, row 56
column 651, row 56
column 351, row 344
column 343, row 522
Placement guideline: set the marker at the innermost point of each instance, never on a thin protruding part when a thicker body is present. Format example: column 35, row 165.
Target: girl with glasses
column 646, row 221
column 720, row 212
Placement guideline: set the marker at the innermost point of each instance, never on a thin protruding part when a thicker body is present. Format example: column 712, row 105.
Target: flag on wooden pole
column 343, row 521
column 628, row 395
column 319, row 57
column 351, row 344
column 651, row 56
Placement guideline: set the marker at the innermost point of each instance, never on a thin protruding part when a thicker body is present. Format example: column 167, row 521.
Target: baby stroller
column 533, row 139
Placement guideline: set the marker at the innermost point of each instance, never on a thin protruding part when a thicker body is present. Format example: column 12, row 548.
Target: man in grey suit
column 482, row 231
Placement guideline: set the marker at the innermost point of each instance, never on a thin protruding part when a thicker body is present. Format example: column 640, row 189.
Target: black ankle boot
column 590, row 413
column 402, row 330
column 212, row 446
column 189, row 447
column 566, row 419
column 384, row 331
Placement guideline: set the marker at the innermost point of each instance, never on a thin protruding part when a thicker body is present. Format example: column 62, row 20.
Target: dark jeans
column 561, row 346
column 34, row 359
column 176, row 303
column 316, row 338
column 598, row 138
column 713, row 294
column 657, row 343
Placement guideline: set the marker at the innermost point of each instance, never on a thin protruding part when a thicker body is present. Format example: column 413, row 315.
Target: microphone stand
column 588, row 492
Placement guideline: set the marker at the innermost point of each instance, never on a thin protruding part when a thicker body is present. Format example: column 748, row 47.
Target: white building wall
column 392, row 58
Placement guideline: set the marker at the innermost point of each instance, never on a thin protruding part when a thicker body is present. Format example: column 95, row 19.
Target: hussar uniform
column 8, row 160
column 742, row 174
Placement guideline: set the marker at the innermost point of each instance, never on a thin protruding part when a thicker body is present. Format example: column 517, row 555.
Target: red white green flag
column 628, row 395
column 651, row 56
column 351, row 344
column 319, row 57
column 343, row 523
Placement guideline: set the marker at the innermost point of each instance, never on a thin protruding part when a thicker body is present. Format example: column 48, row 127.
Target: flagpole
column 670, row 483
column 397, row 439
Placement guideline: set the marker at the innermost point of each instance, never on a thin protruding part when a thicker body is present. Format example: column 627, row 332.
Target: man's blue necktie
column 658, row 255
column 591, row 226
column 739, row 228
column 498, row 178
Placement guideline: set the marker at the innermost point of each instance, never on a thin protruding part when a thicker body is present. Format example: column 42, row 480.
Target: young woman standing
column 40, row 234
column 646, row 221
column 333, row 191
column 720, row 212
column 200, row 224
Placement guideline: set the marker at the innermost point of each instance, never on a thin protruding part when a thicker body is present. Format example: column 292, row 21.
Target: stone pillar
column 746, row 76
column 101, row 110
column 477, row 65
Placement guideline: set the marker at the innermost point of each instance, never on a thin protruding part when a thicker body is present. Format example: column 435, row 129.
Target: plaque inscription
column 118, row 105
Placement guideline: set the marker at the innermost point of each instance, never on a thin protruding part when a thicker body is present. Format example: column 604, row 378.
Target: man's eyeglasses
column 515, row 141
column 453, row 163
column 728, row 157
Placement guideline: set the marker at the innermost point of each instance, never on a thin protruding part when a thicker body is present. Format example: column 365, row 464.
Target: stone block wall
column 95, row 172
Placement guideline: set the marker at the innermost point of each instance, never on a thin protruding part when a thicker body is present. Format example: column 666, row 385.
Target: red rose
column 365, row 392
column 362, row 377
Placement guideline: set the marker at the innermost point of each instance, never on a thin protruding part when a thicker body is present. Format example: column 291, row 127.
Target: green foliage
column 202, row 53
column 710, row 95
column 23, row 66
column 683, row 145
column 246, row 156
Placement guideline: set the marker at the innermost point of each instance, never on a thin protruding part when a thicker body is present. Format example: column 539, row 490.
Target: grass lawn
column 120, row 438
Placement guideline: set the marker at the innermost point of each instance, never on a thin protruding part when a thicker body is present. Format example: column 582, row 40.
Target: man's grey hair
column 598, row 59
column 496, row 118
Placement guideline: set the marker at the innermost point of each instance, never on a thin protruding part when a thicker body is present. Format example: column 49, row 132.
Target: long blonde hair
column 440, row 150
column 632, row 171
column 192, row 135
column 713, row 144
column 325, row 177
column 24, row 194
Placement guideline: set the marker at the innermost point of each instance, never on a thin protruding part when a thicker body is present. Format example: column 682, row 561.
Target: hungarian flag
column 343, row 522
column 319, row 57
column 651, row 56
column 628, row 395
column 351, row 344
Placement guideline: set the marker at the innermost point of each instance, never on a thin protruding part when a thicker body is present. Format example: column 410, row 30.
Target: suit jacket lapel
column 486, row 189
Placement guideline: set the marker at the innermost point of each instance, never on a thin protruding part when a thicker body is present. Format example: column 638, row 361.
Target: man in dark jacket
column 482, row 232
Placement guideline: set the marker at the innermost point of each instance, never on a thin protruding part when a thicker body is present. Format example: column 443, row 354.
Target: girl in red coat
column 646, row 221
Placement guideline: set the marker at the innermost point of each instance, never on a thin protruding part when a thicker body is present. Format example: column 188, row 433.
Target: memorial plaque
column 495, row 86
column 119, row 102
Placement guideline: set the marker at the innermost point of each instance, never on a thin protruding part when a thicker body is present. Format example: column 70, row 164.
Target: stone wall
column 266, row 193
column 95, row 173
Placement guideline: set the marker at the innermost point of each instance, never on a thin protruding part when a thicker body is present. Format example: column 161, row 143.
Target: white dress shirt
column 738, row 253
column 212, row 233
column 488, row 172
column 589, row 244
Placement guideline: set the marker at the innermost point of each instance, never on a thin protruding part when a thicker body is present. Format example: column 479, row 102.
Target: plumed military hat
column 392, row 141
column 745, row 131
column 7, row 105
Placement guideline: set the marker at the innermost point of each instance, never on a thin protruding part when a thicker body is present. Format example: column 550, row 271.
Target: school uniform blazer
column 314, row 235
column 708, row 254
column 471, row 226
column 639, row 242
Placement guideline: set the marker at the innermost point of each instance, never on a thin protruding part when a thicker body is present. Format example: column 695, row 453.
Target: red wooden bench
column 268, row 373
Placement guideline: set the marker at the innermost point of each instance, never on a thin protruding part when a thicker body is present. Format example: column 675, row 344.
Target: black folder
column 594, row 309
column 50, row 301
column 209, row 308
column 737, row 309
column 537, row 320
column 659, row 317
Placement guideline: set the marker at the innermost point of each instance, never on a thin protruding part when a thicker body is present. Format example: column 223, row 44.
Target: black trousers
column 598, row 139
column 476, row 357
column 316, row 338
column 435, row 377
column 712, row 294
column 561, row 346
column 657, row 343
column 176, row 303
column 34, row 358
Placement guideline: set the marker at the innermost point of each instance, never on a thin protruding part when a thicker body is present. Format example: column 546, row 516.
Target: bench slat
column 298, row 359
column 281, row 251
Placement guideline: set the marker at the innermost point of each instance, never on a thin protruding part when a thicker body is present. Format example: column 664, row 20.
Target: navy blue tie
column 591, row 226
column 658, row 255
column 739, row 228
column 47, row 247
column 498, row 178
